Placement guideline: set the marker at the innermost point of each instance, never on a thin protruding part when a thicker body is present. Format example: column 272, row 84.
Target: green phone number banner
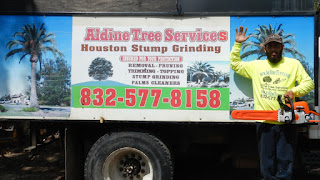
column 150, row 98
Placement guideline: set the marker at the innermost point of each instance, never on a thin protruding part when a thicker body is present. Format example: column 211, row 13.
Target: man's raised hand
column 241, row 36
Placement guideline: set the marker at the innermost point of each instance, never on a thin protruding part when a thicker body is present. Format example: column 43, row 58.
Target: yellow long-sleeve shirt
column 270, row 80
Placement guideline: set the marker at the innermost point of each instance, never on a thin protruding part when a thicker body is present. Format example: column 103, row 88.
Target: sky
column 302, row 27
column 14, row 75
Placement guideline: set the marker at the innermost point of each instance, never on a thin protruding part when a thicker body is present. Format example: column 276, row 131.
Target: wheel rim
column 127, row 164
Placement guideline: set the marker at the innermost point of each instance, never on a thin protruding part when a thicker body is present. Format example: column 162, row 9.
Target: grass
column 2, row 109
column 30, row 109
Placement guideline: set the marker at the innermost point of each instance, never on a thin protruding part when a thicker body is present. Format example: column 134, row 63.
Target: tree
column 263, row 32
column 200, row 70
column 33, row 41
column 256, row 46
column 38, row 83
column 100, row 69
column 55, row 88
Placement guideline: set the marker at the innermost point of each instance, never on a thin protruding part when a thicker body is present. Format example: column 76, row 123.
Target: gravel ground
column 46, row 162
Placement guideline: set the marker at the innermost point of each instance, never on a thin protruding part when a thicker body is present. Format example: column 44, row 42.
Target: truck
column 140, row 88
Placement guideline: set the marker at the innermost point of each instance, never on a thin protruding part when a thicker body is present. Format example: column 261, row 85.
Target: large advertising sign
column 131, row 68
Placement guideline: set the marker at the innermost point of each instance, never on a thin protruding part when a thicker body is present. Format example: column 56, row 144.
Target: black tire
column 128, row 156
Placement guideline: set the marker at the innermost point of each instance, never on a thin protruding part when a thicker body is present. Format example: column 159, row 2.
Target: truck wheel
column 128, row 156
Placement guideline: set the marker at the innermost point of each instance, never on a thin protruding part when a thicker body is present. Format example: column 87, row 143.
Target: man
column 274, row 76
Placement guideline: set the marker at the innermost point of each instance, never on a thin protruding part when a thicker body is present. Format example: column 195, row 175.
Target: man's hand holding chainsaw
column 288, row 94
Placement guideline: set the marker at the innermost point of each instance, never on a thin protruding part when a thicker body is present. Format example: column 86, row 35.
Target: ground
column 46, row 162
column 44, row 111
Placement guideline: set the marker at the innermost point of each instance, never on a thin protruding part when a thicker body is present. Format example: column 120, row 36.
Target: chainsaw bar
column 295, row 113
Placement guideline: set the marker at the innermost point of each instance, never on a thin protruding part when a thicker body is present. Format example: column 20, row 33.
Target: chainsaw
column 292, row 113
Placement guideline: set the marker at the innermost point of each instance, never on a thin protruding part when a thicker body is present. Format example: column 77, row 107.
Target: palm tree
column 201, row 70
column 263, row 32
column 33, row 42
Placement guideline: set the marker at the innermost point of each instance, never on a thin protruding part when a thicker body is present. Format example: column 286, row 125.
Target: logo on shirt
column 277, row 81
column 267, row 79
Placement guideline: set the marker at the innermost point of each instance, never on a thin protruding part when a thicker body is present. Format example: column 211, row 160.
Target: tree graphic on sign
column 100, row 69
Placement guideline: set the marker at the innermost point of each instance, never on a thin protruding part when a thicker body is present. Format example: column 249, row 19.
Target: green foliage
column 31, row 109
column 55, row 85
column 100, row 69
column 2, row 108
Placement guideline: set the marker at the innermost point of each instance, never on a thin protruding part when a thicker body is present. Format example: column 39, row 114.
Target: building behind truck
column 138, row 86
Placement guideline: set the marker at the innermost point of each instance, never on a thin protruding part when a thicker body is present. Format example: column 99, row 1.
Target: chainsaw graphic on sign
column 294, row 113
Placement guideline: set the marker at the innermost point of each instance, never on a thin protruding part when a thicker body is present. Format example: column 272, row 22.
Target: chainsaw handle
column 280, row 101
column 292, row 110
column 287, row 108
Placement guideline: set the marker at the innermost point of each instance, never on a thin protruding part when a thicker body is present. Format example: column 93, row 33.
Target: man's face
column 274, row 52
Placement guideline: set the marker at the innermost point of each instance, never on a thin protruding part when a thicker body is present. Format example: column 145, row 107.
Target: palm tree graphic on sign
column 263, row 31
column 200, row 70
column 255, row 47
column 33, row 41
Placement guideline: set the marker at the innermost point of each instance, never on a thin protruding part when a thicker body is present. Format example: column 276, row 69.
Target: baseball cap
column 273, row 38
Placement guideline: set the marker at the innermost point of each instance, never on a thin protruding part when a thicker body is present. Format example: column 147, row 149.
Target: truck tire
column 128, row 156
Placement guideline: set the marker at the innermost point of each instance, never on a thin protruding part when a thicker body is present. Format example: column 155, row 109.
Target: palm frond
column 279, row 28
column 50, row 40
column 291, row 51
column 271, row 30
column 52, row 49
column 279, row 32
column 249, row 53
column 22, row 57
column 301, row 56
column 197, row 73
column 41, row 33
column 12, row 52
column 261, row 56
column 60, row 54
column 13, row 43
column 291, row 42
column 49, row 35
column 285, row 36
column 21, row 34
column 250, row 44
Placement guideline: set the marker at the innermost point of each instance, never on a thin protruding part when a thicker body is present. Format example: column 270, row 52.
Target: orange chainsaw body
column 302, row 114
